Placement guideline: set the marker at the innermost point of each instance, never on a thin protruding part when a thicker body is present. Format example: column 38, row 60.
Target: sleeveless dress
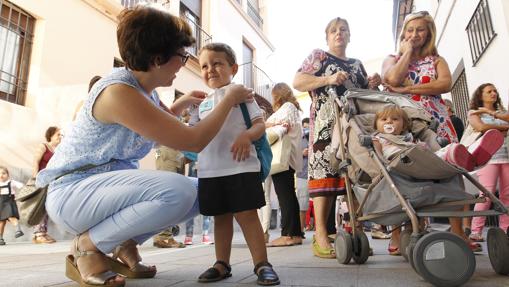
column 423, row 71
column 89, row 141
column 46, row 156
column 324, row 179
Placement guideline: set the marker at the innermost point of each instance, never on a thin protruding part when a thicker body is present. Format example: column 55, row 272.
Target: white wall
column 453, row 43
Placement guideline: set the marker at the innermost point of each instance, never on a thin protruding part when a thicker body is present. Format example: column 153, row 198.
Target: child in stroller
column 414, row 184
column 392, row 134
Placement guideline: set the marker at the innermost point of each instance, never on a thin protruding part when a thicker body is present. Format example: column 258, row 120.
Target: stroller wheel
column 175, row 230
column 498, row 250
column 343, row 246
column 443, row 259
column 360, row 247
column 404, row 240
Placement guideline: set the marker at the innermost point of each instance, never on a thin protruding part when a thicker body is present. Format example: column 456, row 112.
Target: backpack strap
column 245, row 114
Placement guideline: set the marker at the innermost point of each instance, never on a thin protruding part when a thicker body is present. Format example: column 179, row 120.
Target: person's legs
column 121, row 205
column 223, row 235
column 205, row 230
column 15, row 222
column 265, row 211
column 2, row 228
column 303, row 199
column 189, row 232
column 322, row 206
column 40, row 234
column 503, row 193
column 253, row 233
column 284, row 185
column 488, row 178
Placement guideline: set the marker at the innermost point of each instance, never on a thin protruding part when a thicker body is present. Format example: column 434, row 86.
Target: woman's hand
column 482, row 110
column 239, row 94
column 241, row 148
column 374, row 81
column 406, row 46
column 193, row 98
column 338, row 78
column 399, row 90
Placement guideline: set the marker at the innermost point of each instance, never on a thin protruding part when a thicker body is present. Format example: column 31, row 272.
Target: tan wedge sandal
column 139, row 270
column 93, row 280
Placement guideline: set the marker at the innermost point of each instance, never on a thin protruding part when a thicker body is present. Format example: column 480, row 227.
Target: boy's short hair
column 148, row 36
column 393, row 110
column 221, row 47
column 305, row 120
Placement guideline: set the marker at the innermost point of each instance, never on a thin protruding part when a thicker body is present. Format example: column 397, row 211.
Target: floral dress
column 423, row 71
column 324, row 179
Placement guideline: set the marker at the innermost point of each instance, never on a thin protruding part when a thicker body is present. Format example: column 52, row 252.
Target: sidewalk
column 26, row 264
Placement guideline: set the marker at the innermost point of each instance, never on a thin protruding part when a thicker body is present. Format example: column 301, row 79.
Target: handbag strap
column 245, row 114
column 83, row 168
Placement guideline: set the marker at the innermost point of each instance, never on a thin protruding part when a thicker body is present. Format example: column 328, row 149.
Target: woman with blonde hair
column 285, row 121
column 418, row 71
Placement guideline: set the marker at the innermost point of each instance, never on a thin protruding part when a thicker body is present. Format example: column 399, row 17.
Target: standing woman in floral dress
column 321, row 70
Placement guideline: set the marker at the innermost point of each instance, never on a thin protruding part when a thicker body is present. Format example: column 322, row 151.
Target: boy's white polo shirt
column 216, row 159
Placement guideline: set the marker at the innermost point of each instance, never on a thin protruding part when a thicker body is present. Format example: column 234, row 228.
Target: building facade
column 48, row 54
column 473, row 37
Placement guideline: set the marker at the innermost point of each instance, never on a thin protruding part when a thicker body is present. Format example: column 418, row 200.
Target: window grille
column 16, row 36
column 132, row 3
column 460, row 97
column 202, row 38
column 480, row 31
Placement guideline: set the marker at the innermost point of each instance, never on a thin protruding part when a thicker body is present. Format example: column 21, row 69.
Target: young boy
column 229, row 183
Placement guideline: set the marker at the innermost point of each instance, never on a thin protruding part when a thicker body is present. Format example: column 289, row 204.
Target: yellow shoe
column 318, row 251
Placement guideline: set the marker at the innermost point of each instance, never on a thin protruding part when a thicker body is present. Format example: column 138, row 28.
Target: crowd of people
column 206, row 134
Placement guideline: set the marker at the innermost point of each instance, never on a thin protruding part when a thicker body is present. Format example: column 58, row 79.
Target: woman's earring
column 157, row 66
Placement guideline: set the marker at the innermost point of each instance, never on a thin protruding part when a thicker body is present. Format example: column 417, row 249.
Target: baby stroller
column 415, row 184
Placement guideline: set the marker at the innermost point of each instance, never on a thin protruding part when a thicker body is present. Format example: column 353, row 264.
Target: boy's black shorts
column 230, row 194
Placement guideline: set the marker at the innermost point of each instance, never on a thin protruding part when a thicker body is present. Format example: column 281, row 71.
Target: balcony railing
column 256, row 79
column 254, row 14
column 132, row 3
column 202, row 38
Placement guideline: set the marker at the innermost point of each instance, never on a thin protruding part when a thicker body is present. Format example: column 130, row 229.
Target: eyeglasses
column 184, row 57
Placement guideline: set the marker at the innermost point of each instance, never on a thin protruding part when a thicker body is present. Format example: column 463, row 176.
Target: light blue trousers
column 121, row 205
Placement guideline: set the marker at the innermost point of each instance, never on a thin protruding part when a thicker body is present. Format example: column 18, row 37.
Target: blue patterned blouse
column 89, row 141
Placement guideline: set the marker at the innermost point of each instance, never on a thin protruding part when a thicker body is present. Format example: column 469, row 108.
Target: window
column 132, row 3
column 253, row 10
column 480, row 31
column 460, row 96
column 190, row 10
column 247, row 58
column 16, row 36
column 403, row 9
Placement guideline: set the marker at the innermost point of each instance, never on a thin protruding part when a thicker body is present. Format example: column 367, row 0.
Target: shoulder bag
column 263, row 151
column 32, row 200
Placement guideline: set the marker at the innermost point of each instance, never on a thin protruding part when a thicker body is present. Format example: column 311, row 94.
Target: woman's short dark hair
column 148, row 36
column 50, row 132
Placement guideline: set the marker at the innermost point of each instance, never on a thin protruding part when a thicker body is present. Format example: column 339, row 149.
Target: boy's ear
column 235, row 69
